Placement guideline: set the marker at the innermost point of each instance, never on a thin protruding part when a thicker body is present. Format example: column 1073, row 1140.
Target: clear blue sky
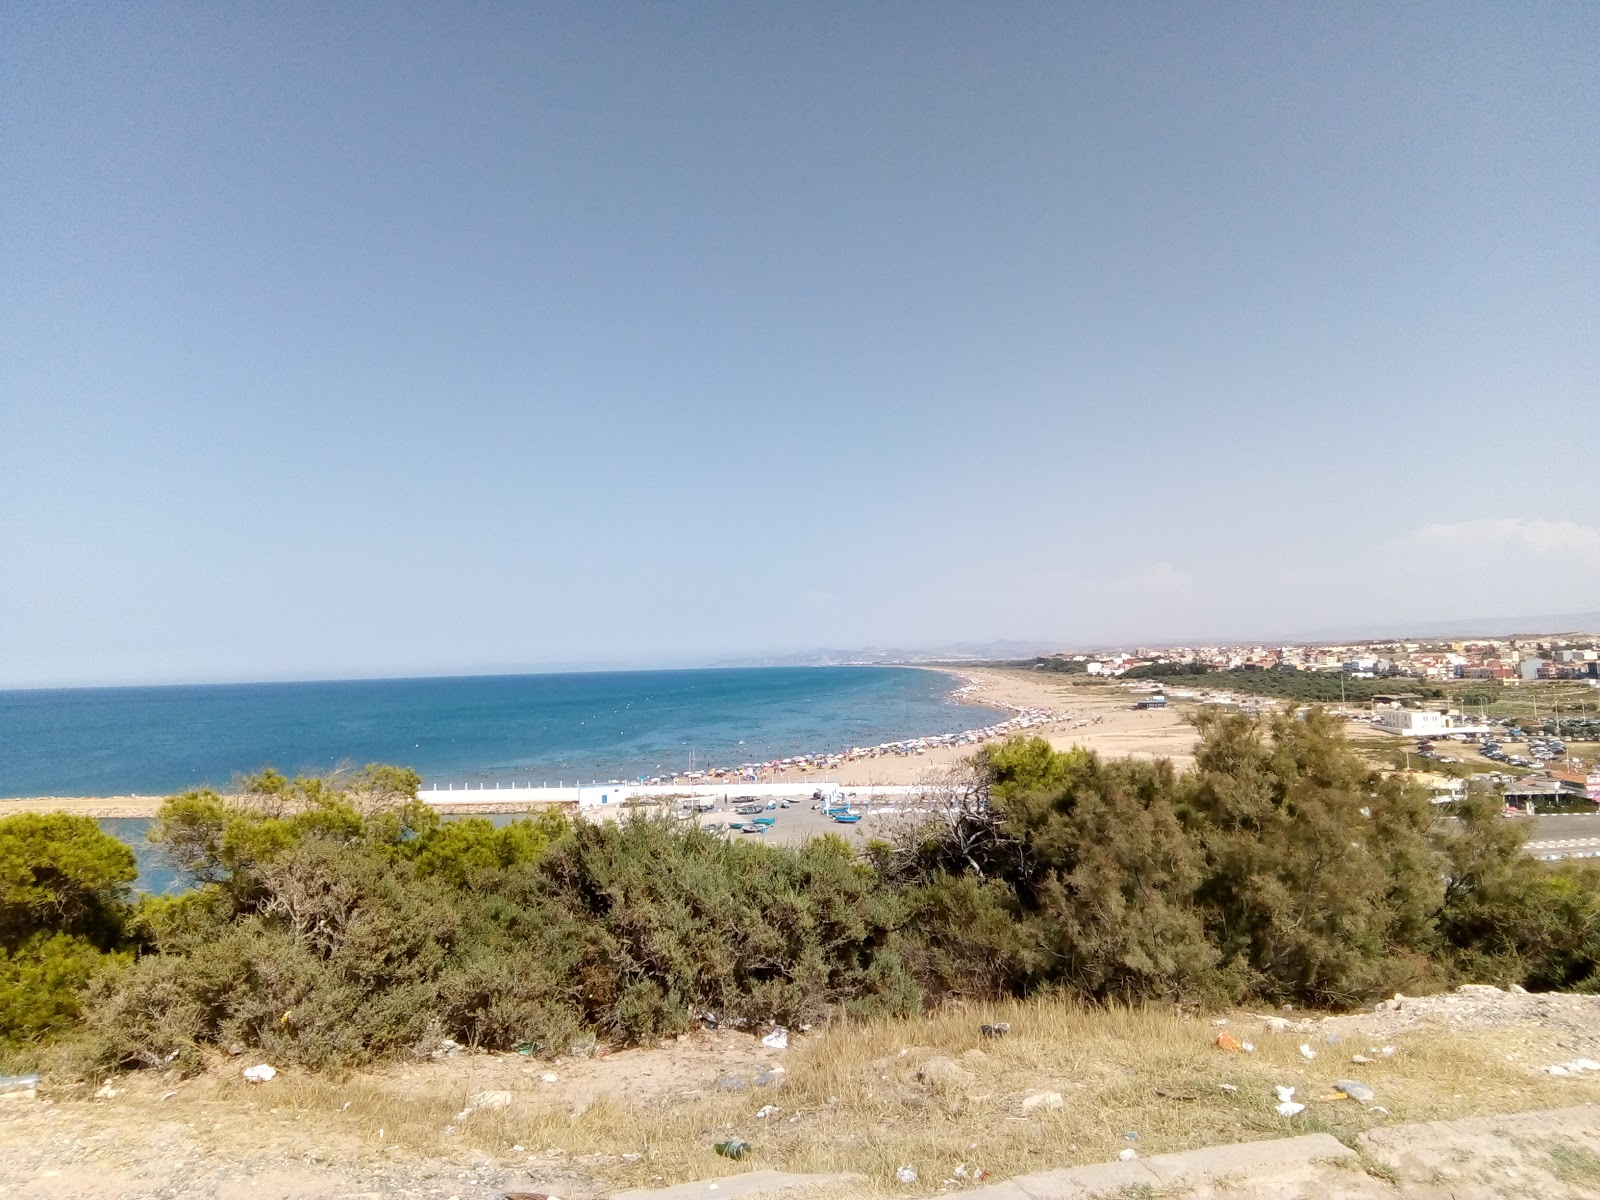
column 386, row 338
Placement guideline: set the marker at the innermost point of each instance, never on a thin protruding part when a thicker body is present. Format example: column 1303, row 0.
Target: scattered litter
column 998, row 1029
column 1228, row 1087
column 1306, row 1052
column 1277, row 1024
column 1284, row 1093
column 905, row 1175
column 168, row 1095
column 1287, row 1106
column 768, row 1078
column 1226, row 1041
column 460, row 1116
column 632, row 1157
column 525, row 1048
column 1360, row 1060
column 734, row 1148
column 1576, row 1067
column 260, row 1073
column 1248, row 1047
column 1130, row 1137
column 1049, row 1100
column 548, row 1077
column 490, row 1100
column 767, row 1110
column 1358, row 1092
column 1378, row 1108
column 1129, row 1154
column 345, row 1107
column 106, row 1091
column 778, row 1039
column 18, row 1087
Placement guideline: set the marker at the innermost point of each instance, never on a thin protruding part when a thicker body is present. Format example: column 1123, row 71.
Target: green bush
column 1281, row 868
column 63, row 918
column 334, row 921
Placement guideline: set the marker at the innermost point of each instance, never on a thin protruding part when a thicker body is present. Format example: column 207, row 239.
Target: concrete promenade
column 496, row 798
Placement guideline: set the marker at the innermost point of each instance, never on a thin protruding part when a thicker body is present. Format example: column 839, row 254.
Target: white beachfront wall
column 611, row 795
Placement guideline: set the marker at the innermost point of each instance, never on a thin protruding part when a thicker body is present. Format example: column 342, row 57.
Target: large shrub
column 642, row 927
column 1283, row 867
column 335, row 960
column 1320, row 882
column 63, row 917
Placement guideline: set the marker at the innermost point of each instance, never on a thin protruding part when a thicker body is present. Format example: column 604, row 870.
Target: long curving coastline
column 1063, row 713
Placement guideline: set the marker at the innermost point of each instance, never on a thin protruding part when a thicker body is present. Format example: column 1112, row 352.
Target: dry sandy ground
column 926, row 1091
column 1099, row 717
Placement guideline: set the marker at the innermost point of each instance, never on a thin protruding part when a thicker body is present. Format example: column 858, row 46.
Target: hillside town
column 1507, row 659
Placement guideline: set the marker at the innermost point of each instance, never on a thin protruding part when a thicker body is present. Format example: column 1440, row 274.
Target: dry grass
column 851, row 1101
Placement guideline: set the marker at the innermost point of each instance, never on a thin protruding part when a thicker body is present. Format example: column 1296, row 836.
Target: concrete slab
column 1246, row 1158
column 736, row 1187
column 1092, row 1179
column 1007, row 1190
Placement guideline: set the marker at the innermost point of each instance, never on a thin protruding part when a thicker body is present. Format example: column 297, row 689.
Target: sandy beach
column 1098, row 717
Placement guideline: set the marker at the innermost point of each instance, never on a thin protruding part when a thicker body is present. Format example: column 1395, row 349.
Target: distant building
column 1413, row 722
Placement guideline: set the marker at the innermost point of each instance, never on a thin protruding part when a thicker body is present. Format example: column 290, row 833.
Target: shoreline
column 1065, row 714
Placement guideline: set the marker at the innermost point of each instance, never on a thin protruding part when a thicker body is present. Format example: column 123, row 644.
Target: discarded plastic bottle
column 733, row 1148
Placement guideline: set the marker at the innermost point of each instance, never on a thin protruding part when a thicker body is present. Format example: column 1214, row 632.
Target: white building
column 1413, row 722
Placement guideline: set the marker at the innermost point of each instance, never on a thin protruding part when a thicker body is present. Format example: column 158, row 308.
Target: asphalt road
column 1566, row 835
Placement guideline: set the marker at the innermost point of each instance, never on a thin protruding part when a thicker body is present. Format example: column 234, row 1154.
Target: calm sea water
column 528, row 728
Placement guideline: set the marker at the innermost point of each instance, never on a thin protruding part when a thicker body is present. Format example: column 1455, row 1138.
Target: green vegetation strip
column 338, row 921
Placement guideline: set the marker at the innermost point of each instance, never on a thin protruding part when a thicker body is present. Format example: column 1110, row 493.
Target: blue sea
column 523, row 728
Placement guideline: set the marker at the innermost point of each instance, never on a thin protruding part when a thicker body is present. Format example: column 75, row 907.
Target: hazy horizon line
column 948, row 655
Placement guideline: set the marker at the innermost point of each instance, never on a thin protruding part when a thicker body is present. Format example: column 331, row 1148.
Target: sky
column 394, row 339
